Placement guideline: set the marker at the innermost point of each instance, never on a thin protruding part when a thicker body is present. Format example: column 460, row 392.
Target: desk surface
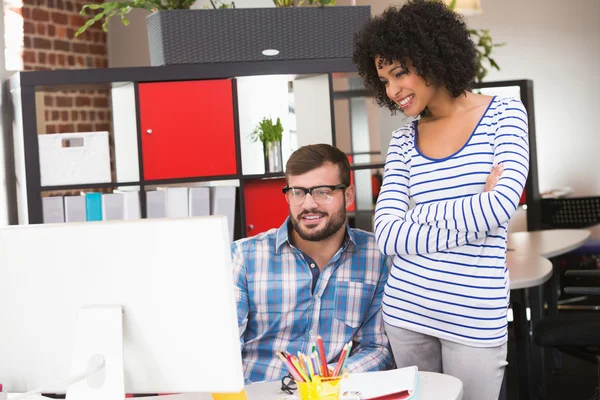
column 547, row 243
column 527, row 270
column 595, row 232
column 432, row 387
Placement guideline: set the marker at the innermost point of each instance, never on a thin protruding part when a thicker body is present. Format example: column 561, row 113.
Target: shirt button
column 310, row 332
column 312, row 265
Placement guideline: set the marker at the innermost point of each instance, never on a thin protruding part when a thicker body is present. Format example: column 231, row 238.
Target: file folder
column 75, row 209
column 93, row 206
column 53, row 208
column 112, row 207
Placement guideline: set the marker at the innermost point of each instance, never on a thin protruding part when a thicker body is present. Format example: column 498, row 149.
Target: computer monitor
column 171, row 277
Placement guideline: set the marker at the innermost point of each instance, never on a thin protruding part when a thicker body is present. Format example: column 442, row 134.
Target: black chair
column 570, row 212
column 576, row 334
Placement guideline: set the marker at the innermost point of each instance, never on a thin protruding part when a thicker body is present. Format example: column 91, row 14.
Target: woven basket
column 243, row 34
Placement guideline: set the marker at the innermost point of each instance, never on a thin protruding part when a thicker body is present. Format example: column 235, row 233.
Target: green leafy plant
column 105, row 11
column 291, row 3
column 268, row 132
column 484, row 45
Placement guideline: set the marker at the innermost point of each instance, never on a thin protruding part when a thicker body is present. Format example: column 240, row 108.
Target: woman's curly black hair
column 432, row 37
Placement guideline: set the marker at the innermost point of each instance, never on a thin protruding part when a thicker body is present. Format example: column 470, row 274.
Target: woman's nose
column 393, row 91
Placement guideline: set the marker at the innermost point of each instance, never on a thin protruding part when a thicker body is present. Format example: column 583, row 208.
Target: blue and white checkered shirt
column 277, row 309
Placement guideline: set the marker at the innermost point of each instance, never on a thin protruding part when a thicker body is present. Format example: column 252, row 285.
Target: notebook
column 396, row 384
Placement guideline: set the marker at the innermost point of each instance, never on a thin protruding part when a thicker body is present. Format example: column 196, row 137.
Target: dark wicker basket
column 242, row 34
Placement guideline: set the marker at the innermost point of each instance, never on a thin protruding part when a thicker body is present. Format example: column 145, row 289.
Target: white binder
column 131, row 204
column 156, row 202
column 176, row 201
column 53, row 208
column 75, row 209
column 112, row 207
column 223, row 203
column 199, row 202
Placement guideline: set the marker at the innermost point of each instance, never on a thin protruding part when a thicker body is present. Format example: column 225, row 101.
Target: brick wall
column 49, row 42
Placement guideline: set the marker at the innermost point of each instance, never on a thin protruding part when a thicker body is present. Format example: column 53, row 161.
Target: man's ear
column 350, row 195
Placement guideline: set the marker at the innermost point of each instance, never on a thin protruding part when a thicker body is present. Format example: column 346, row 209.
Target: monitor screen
column 172, row 278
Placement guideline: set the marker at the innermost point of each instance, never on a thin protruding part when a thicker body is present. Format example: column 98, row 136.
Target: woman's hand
column 493, row 177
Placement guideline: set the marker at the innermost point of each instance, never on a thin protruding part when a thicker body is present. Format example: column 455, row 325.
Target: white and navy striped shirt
column 449, row 277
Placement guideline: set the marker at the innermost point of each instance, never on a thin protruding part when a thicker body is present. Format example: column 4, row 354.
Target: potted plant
column 484, row 45
column 270, row 134
column 180, row 35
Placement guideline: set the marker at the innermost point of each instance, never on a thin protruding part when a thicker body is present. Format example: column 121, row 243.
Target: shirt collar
column 283, row 236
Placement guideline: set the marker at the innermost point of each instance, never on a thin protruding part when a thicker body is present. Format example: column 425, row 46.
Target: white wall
column 555, row 44
column 259, row 97
column 7, row 180
column 313, row 110
column 127, row 46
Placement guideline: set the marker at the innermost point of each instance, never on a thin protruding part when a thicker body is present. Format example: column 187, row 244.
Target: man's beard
column 334, row 223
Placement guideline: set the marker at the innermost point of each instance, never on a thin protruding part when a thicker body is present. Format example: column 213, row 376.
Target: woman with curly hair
column 453, row 178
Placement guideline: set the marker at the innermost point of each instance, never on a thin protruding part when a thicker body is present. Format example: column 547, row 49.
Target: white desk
column 547, row 243
column 527, row 270
column 433, row 386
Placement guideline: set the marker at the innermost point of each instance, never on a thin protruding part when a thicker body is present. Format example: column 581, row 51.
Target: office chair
column 572, row 213
column 576, row 334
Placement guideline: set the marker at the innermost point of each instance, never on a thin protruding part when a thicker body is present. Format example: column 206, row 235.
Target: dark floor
column 576, row 380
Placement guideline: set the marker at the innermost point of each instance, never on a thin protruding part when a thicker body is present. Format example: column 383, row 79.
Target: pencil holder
column 320, row 389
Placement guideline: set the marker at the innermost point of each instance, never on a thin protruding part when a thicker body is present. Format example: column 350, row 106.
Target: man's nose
column 309, row 202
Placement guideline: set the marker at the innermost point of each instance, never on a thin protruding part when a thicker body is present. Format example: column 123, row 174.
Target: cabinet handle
column 149, row 131
column 250, row 227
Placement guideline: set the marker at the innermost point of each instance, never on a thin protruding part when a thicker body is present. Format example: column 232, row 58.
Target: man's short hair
column 313, row 156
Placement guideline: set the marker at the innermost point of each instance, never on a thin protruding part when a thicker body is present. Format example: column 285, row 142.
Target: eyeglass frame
column 333, row 188
column 288, row 384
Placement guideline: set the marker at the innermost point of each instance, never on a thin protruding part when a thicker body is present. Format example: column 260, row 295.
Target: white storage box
column 74, row 158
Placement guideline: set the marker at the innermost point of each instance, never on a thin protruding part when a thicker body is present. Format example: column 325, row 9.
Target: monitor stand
column 98, row 355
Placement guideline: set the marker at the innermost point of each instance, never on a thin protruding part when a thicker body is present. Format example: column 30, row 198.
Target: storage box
column 253, row 34
column 74, row 158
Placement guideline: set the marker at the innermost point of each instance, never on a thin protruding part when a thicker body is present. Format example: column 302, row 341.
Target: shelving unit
column 202, row 136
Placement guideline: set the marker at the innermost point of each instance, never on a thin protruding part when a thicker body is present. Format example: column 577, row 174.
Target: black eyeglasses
column 288, row 384
column 323, row 194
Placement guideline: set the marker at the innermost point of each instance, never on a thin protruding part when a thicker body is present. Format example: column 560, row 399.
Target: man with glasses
column 313, row 276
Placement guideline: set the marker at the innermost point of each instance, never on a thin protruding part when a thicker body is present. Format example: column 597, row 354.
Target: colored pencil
column 347, row 356
column 290, row 367
column 338, row 367
column 314, row 360
column 300, row 369
column 325, row 371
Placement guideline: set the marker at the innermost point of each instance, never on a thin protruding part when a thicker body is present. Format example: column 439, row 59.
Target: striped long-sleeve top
column 449, row 277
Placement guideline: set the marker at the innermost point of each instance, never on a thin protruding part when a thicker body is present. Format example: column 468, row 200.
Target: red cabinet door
column 187, row 129
column 265, row 205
